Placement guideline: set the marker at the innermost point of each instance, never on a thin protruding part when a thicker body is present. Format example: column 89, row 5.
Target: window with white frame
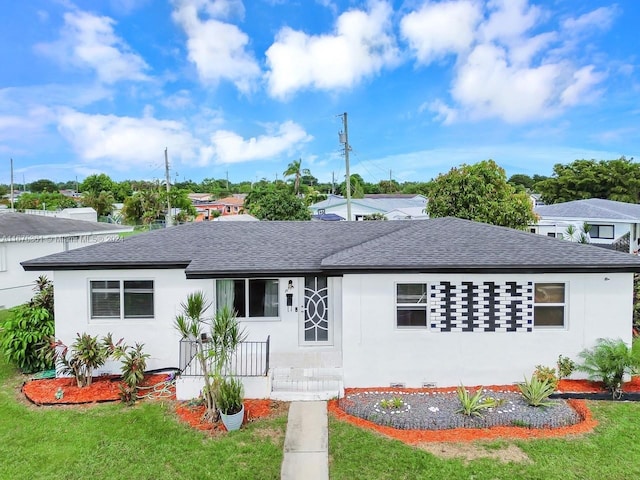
column 601, row 231
column 116, row 299
column 248, row 297
column 411, row 305
column 549, row 309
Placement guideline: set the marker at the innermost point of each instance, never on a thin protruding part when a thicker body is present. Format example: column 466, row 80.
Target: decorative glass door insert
column 316, row 309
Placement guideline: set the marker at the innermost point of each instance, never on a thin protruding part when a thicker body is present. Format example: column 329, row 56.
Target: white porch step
column 296, row 384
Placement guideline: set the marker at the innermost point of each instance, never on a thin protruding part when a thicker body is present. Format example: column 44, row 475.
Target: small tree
column 214, row 356
column 87, row 353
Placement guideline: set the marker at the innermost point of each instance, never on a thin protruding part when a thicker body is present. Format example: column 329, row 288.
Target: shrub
column 392, row 403
column 536, row 391
column 473, row 405
column 87, row 354
column 566, row 366
column 134, row 363
column 548, row 374
column 228, row 395
column 25, row 334
column 609, row 361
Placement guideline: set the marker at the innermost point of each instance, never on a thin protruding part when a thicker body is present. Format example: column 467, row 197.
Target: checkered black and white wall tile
column 481, row 307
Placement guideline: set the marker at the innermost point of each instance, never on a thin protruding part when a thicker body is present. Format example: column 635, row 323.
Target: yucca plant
column 609, row 361
column 473, row 405
column 536, row 391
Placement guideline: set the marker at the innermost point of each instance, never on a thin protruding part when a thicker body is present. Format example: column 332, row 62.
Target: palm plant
column 190, row 323
column 609, row 361
column 294, row 169
column 226, row 335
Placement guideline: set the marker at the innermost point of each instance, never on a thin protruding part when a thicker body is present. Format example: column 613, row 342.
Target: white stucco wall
column 16, row 285
column 559, row 227
column 158, row 334
column 377, row 353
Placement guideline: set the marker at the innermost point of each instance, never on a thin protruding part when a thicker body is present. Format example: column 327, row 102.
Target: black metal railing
column 251, row 359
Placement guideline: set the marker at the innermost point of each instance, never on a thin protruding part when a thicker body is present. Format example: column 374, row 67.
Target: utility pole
column 333, row 183
column 227, row 180
column 344, row 139
column 77, row 184
column 168, row 220
column 12, row 184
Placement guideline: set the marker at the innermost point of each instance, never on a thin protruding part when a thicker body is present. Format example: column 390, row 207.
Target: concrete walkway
column 306, row 443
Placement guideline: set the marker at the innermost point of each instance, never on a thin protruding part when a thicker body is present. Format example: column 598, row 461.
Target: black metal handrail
column 251, row 359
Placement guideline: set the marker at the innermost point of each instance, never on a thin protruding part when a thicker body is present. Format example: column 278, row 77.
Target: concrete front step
column 291, row 384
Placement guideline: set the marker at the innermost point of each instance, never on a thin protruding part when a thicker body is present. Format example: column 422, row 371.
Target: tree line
column 479, row 192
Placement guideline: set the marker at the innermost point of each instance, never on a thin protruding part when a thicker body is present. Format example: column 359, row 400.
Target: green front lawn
column 113, row 441
column 611, row 452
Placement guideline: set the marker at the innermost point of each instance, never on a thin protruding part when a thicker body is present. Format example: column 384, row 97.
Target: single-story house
column 23, row 237
column 393, row 206
column 609, row 220
column 329, row 305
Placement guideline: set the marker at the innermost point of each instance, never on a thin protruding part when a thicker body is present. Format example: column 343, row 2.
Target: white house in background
column 87, row 214
column 23, row 237
column 393, row 206
column 329, row 305
column 609, row 220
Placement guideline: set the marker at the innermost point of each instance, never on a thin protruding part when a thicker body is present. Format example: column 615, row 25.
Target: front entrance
column 316, row 322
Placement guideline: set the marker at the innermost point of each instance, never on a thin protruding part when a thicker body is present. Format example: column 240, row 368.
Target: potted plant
column 229, row 398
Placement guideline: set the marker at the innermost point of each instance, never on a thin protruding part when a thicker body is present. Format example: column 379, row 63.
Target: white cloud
column 129, row 142
column 89, row 41
column 178, row 100
column 487, row 86
column 581, row 90
column 361, row 45
column 218, row 49
column 125, row 142
column 506, row 67
column 600, row 19
column 509, row 19
column 229, row 147
column 438, row 29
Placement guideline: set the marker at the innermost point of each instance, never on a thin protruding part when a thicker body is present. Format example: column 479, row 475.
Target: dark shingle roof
column 592, row 208
column 20, row 225
column 212, row 249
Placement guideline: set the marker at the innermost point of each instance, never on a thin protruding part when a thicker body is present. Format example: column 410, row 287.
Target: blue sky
column 244, row 88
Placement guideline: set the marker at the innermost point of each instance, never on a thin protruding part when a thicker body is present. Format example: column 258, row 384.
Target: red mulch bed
column 102, row 389
column 253, row 410
column 586, row 386
column 413, row 437
column 106, row 389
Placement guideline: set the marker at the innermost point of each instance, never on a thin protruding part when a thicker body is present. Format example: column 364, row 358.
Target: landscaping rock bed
column 424, row 410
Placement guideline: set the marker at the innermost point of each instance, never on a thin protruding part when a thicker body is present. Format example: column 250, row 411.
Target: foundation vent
column 397, row 385
column 429, row 384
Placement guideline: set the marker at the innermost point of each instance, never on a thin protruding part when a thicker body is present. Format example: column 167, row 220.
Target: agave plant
column 536, row 391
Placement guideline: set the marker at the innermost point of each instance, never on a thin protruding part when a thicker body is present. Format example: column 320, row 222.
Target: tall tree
column 611, row 179
column 480, row 192
column 43, row 185
column 295, row 170
column 273, row 202
column 97, row 183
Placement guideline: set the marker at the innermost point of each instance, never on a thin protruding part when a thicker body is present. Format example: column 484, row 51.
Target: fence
column 251, row 359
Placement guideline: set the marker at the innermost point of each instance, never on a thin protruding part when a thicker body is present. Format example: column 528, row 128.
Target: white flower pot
column 234, row 421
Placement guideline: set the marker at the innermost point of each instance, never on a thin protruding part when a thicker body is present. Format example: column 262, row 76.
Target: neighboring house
column 224, row 206
column 329, row 305
column 241, row 217
column 609, row 220
column 81, row 213
column 393, row 206
column 23, row 237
